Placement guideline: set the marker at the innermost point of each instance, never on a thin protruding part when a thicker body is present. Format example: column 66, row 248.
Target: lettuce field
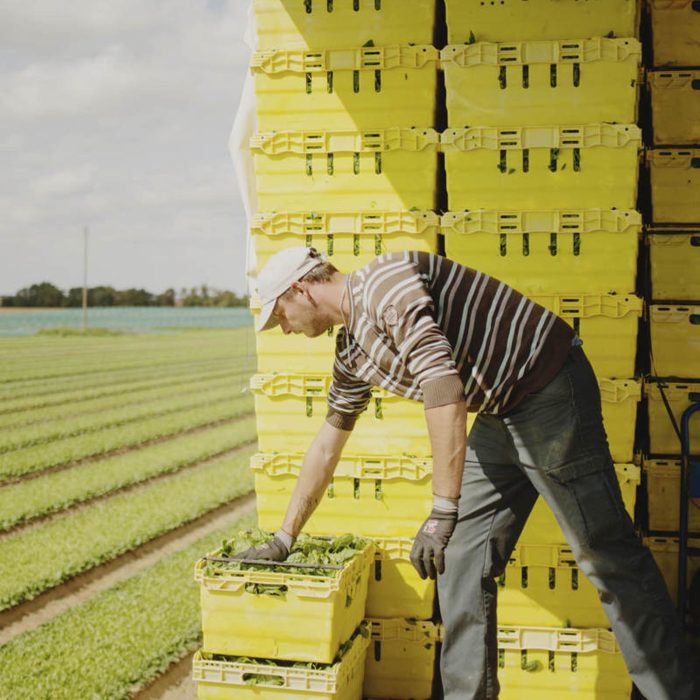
column 123, row 458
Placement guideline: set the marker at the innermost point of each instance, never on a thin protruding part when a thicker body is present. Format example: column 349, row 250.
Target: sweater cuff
column 442, row 391
column 343, row 421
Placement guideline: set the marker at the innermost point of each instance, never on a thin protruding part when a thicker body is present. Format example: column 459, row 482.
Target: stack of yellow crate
column 542, row 157
column 673, row 240
column 346, row 161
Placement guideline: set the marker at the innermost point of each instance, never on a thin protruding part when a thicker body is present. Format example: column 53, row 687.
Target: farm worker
column 429, row 329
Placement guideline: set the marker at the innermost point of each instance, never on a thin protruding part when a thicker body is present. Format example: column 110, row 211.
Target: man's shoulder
column 402, row 260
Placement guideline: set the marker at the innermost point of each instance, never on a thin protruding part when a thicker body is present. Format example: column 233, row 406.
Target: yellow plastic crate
column 373, row 87
column 542, row 526
column 294, row 353
column 309, row 622
column 369, row 496
column 675, row 106
column 551, row 664
column 581, row 167
column 290, row 409
column 675, row 26
column 543, row 252
column 349, row 239
column 675, row 185
column 675, row 340
column 665, row 552
column 395, row 589
column 226, row 680
column 680, row 395
column 663, row 496
column 620, row 399
column 675, row 260
column 400, row 659
column 470, row 20
column 608, row 325
column 321, row 23
column 542, row 585
column 345, row 170
column 542, row 82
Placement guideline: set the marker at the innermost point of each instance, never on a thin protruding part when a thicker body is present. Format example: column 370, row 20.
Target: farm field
column 122, row 460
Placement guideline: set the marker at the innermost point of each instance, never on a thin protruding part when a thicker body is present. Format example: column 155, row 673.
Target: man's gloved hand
column 428, row 551
column 277, row 549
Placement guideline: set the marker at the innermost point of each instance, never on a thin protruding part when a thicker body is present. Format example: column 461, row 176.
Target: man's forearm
column 316, row 473
column 447, row 427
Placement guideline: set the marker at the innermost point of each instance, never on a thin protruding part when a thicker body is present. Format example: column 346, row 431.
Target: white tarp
column 244, row 126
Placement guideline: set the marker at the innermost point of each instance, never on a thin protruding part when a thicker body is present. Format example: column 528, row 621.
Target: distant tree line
column 47, row 294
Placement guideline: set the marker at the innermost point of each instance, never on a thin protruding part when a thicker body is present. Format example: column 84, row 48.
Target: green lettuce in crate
column 270, row 679
column 321, row 551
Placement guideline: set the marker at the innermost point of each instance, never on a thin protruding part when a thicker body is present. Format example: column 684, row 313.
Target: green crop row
column 43, row 390
column 132, row 352
column 13, row 412
column 38, row 457
column 41, row 557
column 117, row 641
column 53, row 492
column 102, row 414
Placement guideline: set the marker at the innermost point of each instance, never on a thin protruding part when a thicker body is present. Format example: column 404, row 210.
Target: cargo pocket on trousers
column 595, row 493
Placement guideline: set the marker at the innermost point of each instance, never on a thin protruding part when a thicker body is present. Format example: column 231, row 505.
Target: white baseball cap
column 280, row 272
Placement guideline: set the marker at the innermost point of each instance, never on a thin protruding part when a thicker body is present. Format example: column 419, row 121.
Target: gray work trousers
column 553, row 444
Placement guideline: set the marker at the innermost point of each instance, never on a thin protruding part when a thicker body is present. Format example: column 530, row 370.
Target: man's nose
column 285, row 327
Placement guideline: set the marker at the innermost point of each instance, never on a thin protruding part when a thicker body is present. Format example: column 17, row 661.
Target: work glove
column 277, row 549
column 428, row 551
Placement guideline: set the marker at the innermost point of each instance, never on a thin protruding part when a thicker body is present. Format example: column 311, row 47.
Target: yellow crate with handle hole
column 663, row 486
column 533, row 167
column 542, row 527
column 674, row 253
column 675, row 105
column 568, row 81
column 543, row 252
column 371, row 87
column 307, row 620
column 675, row 184
column 513, row 20
column 551, row 664
column 242, row 679
column 400, row 659
column 608, row 325
column 675, row 339
column 395, row 588
column 675, row 26
column 665, row 553
column 321, row 23
column 349, row 239
column 542, row 585
column 680, row 395
column 369, row 496
column 390, row 426
column 345, row 170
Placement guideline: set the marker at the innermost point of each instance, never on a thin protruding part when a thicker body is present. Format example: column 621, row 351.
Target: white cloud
column 116, row 114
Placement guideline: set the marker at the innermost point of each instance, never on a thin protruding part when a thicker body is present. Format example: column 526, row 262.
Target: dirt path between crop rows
column 29, row 615
column 175, row 684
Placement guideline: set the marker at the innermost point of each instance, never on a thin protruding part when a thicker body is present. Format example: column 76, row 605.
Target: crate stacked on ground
column 673, row 241
column 278, row 630
column 346, row 159
column 542, row 157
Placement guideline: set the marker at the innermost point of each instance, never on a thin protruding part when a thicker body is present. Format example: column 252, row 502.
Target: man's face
column 298, row 312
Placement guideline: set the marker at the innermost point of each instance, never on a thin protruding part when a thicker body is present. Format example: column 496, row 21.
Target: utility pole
column 85, row 272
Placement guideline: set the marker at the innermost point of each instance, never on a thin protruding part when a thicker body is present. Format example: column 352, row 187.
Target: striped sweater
column 426, row 328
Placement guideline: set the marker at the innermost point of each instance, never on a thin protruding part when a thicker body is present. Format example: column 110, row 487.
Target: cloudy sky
column 115, row 114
